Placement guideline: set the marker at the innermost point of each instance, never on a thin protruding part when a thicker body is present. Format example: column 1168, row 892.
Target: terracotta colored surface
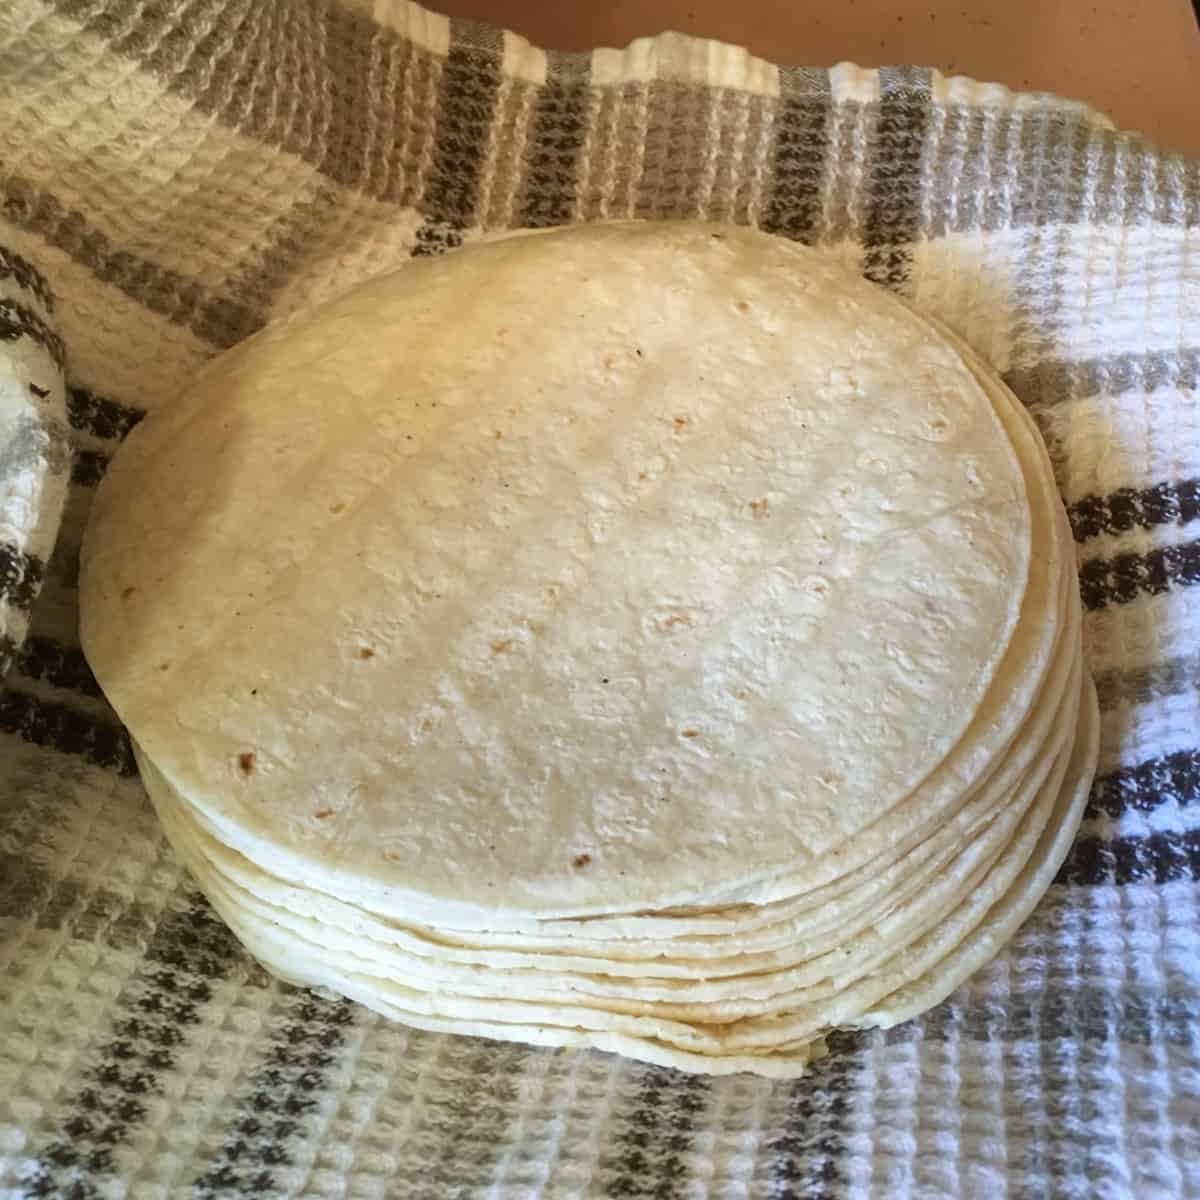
column 1136, row 60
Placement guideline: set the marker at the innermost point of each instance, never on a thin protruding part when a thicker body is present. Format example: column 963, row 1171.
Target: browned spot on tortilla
column 127, row 592
column 366, row 652
column 743, row 306
column 164, row 666
column 426, row 725
column 680, row 423
column 498, row 434
column 337, row 508
column 322, row 813
column 675, row 619
column 246, row 762
column 760, row 508
column 691, row 733
column 502, row 645
column 643, row 475
column 581, row 860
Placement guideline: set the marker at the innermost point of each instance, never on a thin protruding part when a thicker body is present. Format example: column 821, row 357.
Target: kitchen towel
column 172, row 175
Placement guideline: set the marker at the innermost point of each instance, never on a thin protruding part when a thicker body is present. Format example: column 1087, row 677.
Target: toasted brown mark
column 164, row 666
column 502, row 645
column 337, row 508
column 365, row 652
column 760, row 508
column 246, row 762
column 691, row 733
column 680, row 423
column 127, row 592
column 580, row 861
column 674, row 620
column 322, row 813
column 743, row 306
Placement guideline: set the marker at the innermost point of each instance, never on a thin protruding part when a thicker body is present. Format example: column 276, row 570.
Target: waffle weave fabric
column 173, row 175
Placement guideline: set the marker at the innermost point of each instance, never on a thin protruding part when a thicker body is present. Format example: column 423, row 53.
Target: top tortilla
column 588, row 573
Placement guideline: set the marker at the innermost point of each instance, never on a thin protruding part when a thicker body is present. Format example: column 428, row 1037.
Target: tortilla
column 489, row 486
column 643, row 637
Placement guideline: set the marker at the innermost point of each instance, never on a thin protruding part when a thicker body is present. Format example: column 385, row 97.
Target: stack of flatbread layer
column 647, row 637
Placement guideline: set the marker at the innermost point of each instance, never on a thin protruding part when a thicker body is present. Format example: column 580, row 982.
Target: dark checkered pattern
column 173, row 175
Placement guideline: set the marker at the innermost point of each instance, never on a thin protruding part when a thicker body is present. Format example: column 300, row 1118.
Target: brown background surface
column 1136, row 60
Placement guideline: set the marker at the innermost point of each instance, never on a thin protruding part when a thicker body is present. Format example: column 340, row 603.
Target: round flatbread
column 579, row 574
column 644, row 637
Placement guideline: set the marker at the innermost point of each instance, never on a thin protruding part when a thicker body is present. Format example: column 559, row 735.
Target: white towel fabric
column 173, row 174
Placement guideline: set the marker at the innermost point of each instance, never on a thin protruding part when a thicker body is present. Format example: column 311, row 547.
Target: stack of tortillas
column 649, row 637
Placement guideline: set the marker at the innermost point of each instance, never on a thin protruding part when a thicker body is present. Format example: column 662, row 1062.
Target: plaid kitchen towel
column 34, row 445
column 174, row 174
